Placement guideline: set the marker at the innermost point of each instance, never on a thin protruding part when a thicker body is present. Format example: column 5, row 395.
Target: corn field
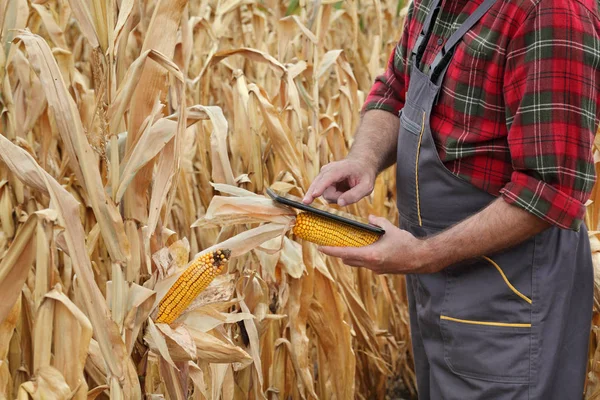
column 137, row 136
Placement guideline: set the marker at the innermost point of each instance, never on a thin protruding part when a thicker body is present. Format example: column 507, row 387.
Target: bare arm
column 376, row 139
column 497, row 227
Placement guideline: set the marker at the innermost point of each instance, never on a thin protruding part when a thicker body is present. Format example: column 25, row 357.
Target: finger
column 353, row 195
column 309, row 197
column 325, row 180
column 331, row 194
column 343, row 252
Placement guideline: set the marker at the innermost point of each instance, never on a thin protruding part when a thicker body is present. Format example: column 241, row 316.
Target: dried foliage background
column 137, row 134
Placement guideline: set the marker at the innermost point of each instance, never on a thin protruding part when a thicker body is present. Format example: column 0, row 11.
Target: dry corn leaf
column 248, row 240
column 255, row 55
column 139, row 305
column 232, row 190
column 48, row 384
column 54, row 31
column 215, row 351
column 113, row 349
column 71, row 342
column 291, row 258
column 176, row 387
column 208, row 318
column 221, row 168
column 125, row 9
column 328, row 310
column 253, row 339
column 157, row 342
column 224, row 211
column 80, row 151
column 97, row 391
column 197, row 376
column 179, row 342
column 131, row 82
column 29, row 98
column 84, row 19
column 7, row 327
column 15, row 266
column 160, row 36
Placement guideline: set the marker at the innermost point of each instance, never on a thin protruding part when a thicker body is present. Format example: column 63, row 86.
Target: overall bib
column 510, row 325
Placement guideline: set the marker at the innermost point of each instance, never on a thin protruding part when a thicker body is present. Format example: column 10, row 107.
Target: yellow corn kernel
column 198, row 275
column 325, row 232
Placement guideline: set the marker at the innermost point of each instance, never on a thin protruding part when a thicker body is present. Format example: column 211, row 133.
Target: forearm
column 495, row 228
column 376, row 139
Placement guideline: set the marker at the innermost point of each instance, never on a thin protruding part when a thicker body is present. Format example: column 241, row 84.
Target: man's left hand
column 396, row 252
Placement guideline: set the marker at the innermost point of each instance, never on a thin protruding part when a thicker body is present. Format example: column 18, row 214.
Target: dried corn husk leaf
column 255, row 55
column 233, row 190
column 139, row 305
column 113, row 349
column 15, row 266
column 7, row 328
column 213, row 350
column 80, row 151
column 224, row 211
column 161, row 36
column 248, row 240
column 208, row 317
column 84, row 18
column 49, row 383
column 179, row 342
column 131, row 82
column 71, row 342
column 157, row 342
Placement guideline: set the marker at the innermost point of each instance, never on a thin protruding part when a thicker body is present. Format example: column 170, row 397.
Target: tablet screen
column 327, row 212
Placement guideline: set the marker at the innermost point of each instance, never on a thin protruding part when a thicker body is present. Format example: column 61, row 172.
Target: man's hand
column 374, row 149
column 397, row 252
column 497, row 227
column 344, row 182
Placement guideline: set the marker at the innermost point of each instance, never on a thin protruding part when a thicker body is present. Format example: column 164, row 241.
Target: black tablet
column 339, row 216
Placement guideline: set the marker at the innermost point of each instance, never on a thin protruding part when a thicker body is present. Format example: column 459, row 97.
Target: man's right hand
column 345, row 182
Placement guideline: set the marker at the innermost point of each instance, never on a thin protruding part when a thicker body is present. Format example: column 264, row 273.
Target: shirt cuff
column 544, row 201
column 381, row 104
column 381, row 98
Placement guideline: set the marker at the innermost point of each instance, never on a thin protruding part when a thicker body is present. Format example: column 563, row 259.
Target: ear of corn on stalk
column 325, row 232
column 198, row 275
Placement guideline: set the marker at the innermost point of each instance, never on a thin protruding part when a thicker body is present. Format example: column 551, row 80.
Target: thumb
column 381, row 222
column 356, row 193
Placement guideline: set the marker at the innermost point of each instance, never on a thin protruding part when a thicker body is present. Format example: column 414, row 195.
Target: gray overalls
column 511, row 325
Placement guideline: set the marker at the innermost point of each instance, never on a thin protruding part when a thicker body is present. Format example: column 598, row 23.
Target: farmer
column 489, row 110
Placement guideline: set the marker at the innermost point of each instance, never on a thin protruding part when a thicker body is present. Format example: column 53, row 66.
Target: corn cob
column 325, row 232
column 198, row 275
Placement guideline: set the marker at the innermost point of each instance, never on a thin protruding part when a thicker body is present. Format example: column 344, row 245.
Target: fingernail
column 341, row 202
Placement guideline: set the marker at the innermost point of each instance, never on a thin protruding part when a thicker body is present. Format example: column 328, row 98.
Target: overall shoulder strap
column 442, row 59
column 421, row 42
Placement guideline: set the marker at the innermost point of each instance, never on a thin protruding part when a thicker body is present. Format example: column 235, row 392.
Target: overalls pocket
column 497, row 352
column 410, row 126
column 486, row 320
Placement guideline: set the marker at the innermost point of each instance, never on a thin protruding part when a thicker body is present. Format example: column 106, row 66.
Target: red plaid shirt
column 520, row 103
